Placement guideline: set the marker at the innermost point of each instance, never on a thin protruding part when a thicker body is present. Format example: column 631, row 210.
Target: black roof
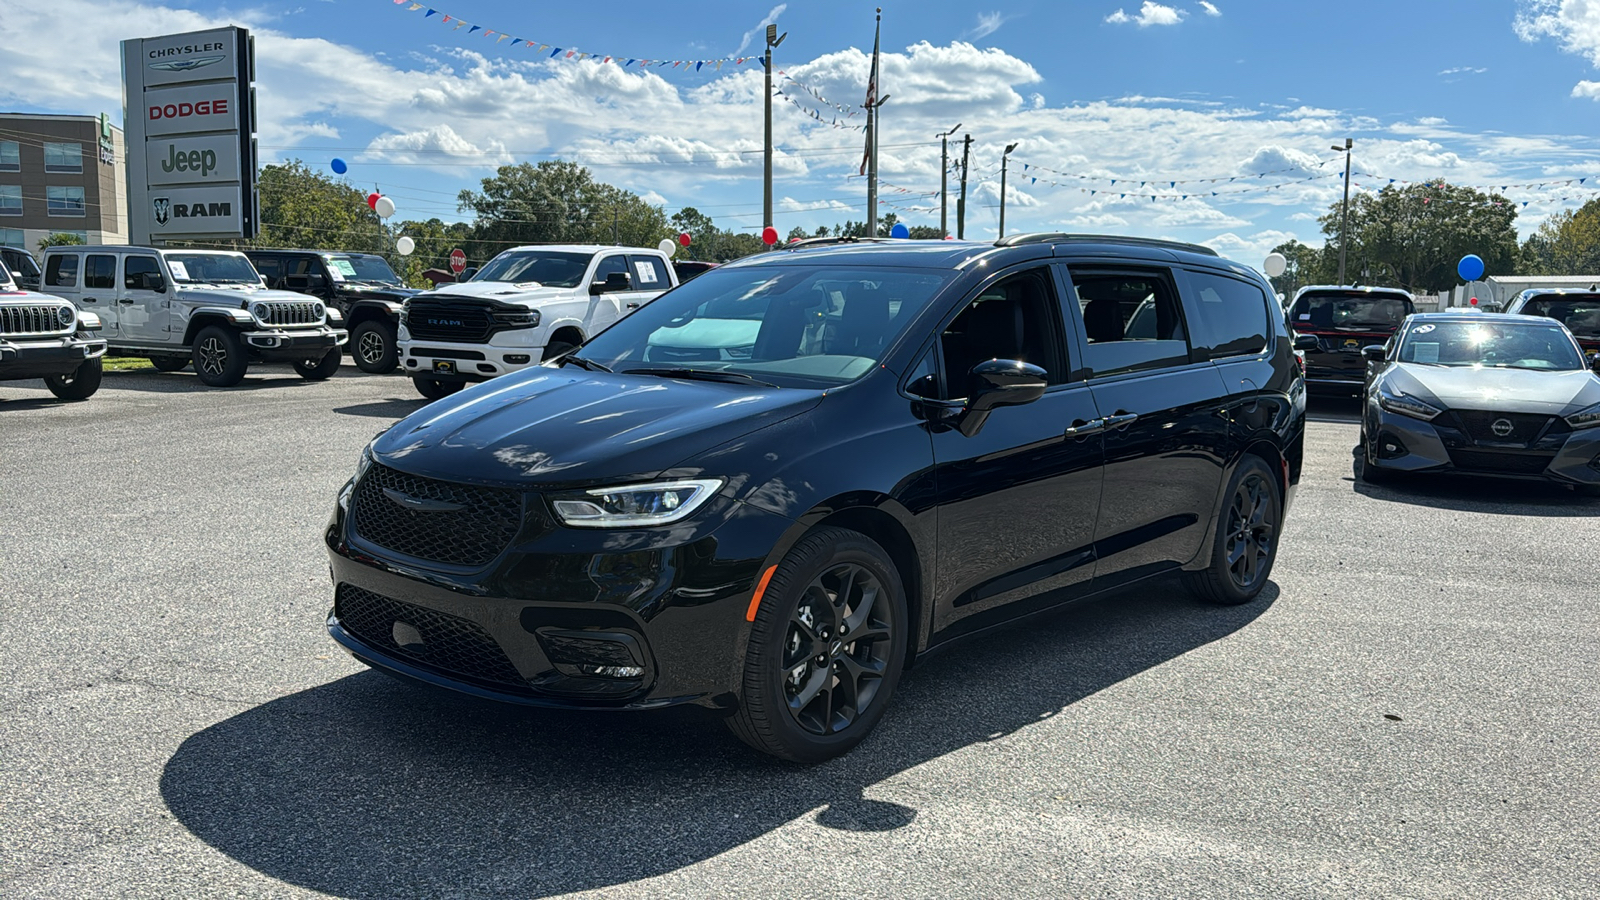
column 308, row 252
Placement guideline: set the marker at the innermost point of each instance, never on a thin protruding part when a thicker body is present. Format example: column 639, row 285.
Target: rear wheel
column 374, row 348
column 434, row 389
column 825, row 650
column 169, row 363
column 80, row 385
column 219, row 357
column 1246, row 542
column 319, row 369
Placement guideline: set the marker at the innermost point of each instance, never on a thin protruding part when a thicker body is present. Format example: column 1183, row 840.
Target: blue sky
column 1484, row 93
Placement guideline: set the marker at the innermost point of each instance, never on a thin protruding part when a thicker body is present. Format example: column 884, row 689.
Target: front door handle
column 1121, row 419
column 632, row 304
column 126, row 301
column 1080, row 428
column 88, row 300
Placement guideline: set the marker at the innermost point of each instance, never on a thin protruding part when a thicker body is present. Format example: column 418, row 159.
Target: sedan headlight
column 1586, row 418
column 1408, row 406
column 635, row 505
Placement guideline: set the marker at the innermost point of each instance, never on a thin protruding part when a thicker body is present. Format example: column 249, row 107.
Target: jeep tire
column 219, row 357
column 319, row 369
column 374, row 348
column 80, row 385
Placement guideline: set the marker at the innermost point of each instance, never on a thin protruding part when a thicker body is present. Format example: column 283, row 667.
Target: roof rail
column 1061, row 237
column 826, row 241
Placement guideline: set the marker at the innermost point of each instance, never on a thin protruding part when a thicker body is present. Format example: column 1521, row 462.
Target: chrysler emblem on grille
column 419, row 504
column 1501, row 427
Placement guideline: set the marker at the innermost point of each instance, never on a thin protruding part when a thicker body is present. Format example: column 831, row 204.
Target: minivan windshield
column 1580, row 313
column 1491, row 344
column 792, row 326
column 361, row 267
column 551, row 268
column 211, row 268
column 1349, row 310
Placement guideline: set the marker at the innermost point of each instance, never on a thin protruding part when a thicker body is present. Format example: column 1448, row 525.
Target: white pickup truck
column 528, row 304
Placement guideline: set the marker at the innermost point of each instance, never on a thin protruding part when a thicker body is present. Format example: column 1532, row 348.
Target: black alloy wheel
column 825, row 650
column 169, row 363
column 319, row 369
column 434, row 389
column 1246, row 542
column 219, row 357
column 80, row 385
column 374, row 347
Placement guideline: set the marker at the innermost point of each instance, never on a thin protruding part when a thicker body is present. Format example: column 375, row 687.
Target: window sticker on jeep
column 1424, row 353
column 341, row 269
column 1305, row 317
column 179, row 271
column 647, row 272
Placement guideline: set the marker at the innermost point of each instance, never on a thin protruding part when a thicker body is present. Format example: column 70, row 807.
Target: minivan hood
column 1461, row 387
column 501, row 291
column 567, row 427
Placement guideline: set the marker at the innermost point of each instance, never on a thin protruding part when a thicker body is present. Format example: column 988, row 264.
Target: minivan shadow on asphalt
column 369, row 788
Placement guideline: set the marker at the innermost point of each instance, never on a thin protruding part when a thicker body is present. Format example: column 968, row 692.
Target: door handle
column 633, row 304
column 1121, row 419
column 1080, row 428
column 125, row 301
column 88, row 300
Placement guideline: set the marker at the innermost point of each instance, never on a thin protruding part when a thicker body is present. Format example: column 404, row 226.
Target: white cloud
column 750, row 35
column 1590, row 89
column 988, row 23
column 1574, row 24
column 1151, row 13
column 1464, row 70
column 439, row 144
column 1210, row 8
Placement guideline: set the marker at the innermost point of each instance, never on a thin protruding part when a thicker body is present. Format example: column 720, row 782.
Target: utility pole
column 873, row 102
column 1005, row 158
column 773, row 40
column 944, row 181
column 961, row 204
column 1344, row 212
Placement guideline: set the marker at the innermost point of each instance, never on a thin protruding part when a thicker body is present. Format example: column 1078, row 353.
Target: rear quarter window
column 61, row 270
column 1230, row 315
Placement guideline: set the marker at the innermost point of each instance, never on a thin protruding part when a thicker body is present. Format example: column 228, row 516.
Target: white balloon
column 384, row 207
column 667, row 246
column 1274, row 265
column 404, row 246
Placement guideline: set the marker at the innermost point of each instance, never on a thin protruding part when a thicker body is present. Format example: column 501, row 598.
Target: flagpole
column 872, row 131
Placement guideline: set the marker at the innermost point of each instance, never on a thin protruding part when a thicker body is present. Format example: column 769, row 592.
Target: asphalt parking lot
column 1411, row 710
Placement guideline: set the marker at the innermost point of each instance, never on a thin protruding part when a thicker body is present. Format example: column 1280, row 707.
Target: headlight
column 636, row 504
column 262, row 312
column 1587, row 418
column 362, row 465
column 1408, row 406
column 318, row 310
column 517, row 318
column 67, row 315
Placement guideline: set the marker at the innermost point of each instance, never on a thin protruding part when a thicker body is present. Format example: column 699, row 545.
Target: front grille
column 1525, row 427
column 32, row 319
column 292, row 313
column 460, row 321
column 479, row 527
column 451, row 644
column 1506, row 463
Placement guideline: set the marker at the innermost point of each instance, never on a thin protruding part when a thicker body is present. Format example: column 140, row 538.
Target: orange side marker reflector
column 755, row 601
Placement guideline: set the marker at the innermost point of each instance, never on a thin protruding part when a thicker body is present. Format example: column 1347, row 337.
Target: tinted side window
column 62, row 270
column 134, row 269
column 649, row 273
column 270, row 266
column 1131, row 317
column 1017, row 318
column 100, row 271
column 613, row 264
column 1231, row 318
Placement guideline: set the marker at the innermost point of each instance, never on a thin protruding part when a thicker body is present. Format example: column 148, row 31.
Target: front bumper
column 39, row 357
column 1403, row 444
column 465, row 362
column 296, row 344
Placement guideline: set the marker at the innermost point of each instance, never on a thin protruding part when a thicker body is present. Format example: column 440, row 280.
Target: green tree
column 1306, row 265
column 301, row 207
column 559, row 202
column 1413, row 236
column 59, row 239
column 1567, row 243
column 434, row 241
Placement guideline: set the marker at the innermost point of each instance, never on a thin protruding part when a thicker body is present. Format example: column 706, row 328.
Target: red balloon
column 769, row 235
column 1474, row 301
column 372, row 201
column 683, row 239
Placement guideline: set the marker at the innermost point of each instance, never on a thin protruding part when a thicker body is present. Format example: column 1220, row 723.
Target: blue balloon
column 899, row 231
column 339, row 168
column 1470, row 268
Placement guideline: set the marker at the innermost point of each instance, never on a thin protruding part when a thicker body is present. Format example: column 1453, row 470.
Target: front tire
column 434, row 389
column 80, row 385
column 219, row 357
column 825, row 650
column 374, row 347
column 1246, row 542
column 319, row 369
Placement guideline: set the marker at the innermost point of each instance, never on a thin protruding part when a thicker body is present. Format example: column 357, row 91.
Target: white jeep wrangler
column 45, row 337
column 527, row 305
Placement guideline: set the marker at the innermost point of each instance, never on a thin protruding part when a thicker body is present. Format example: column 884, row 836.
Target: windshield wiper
column 701, row 375
column 582, row 363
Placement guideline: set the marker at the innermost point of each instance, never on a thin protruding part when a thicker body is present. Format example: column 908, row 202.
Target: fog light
column 612, row 671
column 1390, row 447
column 485, row 367
column 518, row 359
column 411, row 363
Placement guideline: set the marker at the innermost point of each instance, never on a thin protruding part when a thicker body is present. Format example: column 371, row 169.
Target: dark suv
column 361, row 286
column 1334, row 323
column 1578, row 310
column 24, row 268
column 855, row 454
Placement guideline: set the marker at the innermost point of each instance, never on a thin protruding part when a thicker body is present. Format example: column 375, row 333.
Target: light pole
column 944, row 180
column 1344, row 212
column 773, row 40
column 1005, row 158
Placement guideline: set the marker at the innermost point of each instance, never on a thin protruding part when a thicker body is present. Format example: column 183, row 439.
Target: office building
column 61, row 174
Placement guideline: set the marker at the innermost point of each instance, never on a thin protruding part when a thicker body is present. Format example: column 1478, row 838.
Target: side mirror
column 152, row 281
column 1374, row 352
column 303, row 283
column 1594, row 363
column 616, row 281
column 1000, row 382
column 1307, row 342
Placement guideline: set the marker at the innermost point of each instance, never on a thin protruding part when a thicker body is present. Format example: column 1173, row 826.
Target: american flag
column 872, row 98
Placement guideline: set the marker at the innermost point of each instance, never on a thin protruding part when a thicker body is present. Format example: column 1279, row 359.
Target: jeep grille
column 472, row 528
column 290, row 314
column 33, row 319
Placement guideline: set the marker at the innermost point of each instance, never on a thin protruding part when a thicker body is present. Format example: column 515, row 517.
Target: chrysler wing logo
column 163, row 208
column 1501, row 427
column 186, row 65
column 418, row 504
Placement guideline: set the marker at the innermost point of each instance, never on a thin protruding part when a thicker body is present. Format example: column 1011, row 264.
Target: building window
column 63, row 157
column 12, row 237
column 10, row 199
column 10, row 156
column 64, row 201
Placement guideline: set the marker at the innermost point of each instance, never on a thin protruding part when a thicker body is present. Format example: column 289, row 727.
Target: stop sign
column 458, row 260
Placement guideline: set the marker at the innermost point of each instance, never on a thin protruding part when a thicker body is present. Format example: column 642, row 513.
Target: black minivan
column 770, row 490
